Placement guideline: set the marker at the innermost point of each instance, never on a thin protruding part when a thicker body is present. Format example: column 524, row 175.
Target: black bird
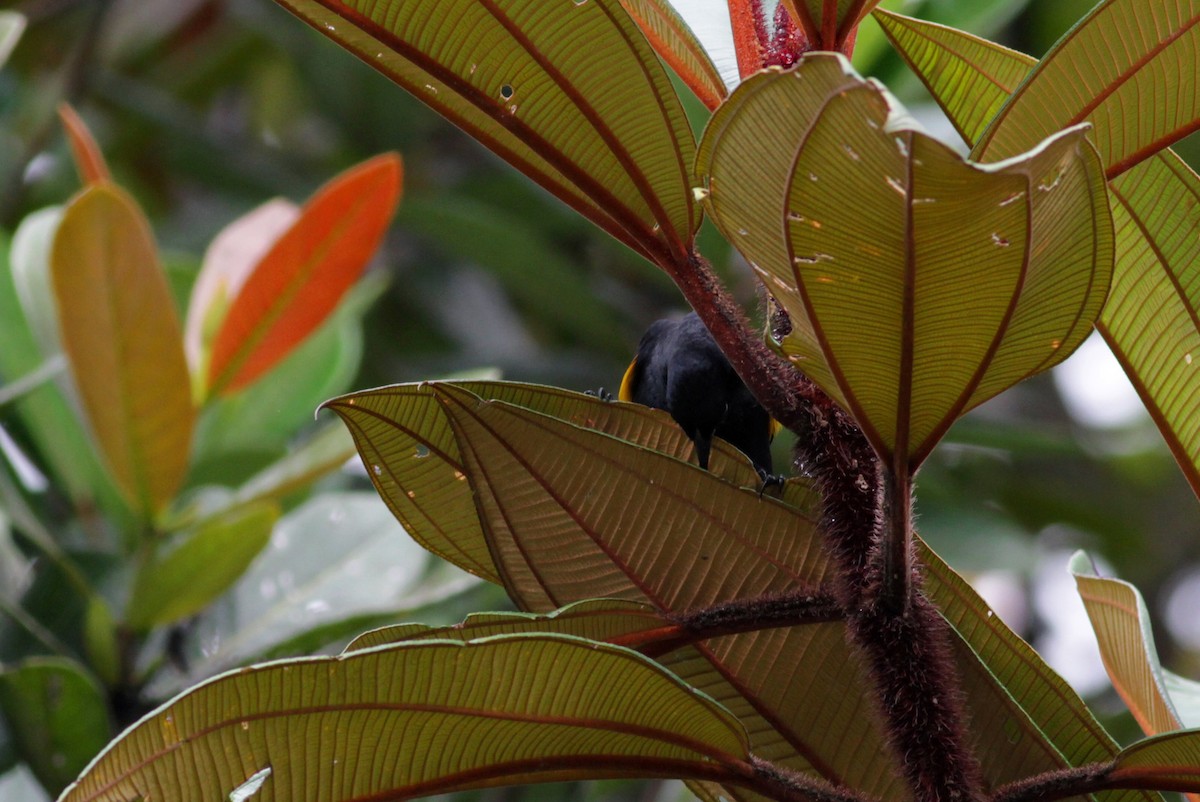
column 679, row 368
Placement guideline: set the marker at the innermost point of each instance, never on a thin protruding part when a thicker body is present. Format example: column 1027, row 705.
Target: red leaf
column 304, row 275
column 89, row 161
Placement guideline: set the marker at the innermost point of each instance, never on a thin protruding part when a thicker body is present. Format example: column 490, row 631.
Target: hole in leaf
column 250, row 787
column 421, row 451
column 1001, row 242
column 506, row 91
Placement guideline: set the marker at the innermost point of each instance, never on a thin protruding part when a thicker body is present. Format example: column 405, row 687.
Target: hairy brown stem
column 866, row 524
column 1057, row 784
column 788, row 786
column 793, row 609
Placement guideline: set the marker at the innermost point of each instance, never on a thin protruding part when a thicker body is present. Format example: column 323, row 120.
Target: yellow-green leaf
column 521, row 76
column 944, row 284
column 1122, row 625
column 1129, row 68
column 123, row 339
column 185, row 580
column 971, row 78
column 1151, row 321
column 504, row 710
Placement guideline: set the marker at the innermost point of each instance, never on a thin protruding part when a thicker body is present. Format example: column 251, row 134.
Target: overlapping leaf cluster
column 918, row 284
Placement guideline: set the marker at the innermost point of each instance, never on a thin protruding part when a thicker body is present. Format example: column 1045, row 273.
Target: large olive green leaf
column 503, row 710
column 678, row 46
column 571, row 514
column 1151, row 321
column 521, row 76
column 412, row 457
column 1160, row 700
column 1033, row 721
column 742, row 163
column 1129, row 68
column 124, row 343
column 946, row 283
column 57, row 715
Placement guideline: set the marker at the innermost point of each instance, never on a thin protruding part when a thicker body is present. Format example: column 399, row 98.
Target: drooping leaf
column 57, row 716
column 604, row 620
column 1127, row 68
column 1037, row 724
column 89, row 159
column 228, row 262
column 125, row 346
column 675, row 43
column 12, row 25
column 1150, row 321
column 520, row 76
column 975, row 277
column 185, row 580
column 300, row 280
column 1122, row 625
column 504, row 710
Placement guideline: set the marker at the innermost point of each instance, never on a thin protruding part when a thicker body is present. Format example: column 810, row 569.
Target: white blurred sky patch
column 1095, row 389
column 709, row 20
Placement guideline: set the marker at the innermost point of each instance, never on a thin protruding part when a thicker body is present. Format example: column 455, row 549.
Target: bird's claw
column 775, row 480
column 601, row 393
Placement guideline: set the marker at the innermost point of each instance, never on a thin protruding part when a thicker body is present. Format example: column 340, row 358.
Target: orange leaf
column 230, row 259
column 123, row 341
column 89, row 161
column 304, row 275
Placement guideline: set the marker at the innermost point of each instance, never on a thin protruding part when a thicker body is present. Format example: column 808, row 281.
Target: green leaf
column 30, row 261
column 57, row 716
column 971, row 78
column 100, row 641
column 1150, row 321
column 124, row 343
column 521, row 77
column 1037, row 724
column 12, row 24
column 1122, row 625
column 185, row 580
column 336, row 558
column 1141, row 95
column 976, row 277
column 504, row 710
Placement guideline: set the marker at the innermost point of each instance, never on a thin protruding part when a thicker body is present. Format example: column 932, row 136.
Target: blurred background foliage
column 207, row 108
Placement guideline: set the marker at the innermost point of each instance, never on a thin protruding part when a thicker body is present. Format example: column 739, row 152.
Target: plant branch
column 781, row 784
column 897, row 538
column 793, row 609
column 1057, row 784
